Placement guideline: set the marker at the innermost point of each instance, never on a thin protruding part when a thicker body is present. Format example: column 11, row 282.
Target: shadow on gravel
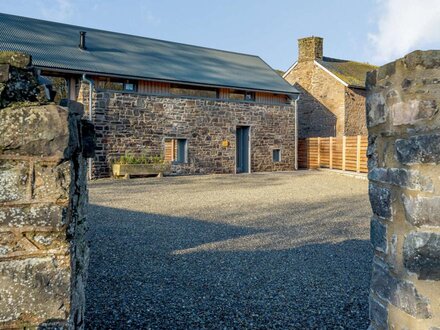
column 138, row 281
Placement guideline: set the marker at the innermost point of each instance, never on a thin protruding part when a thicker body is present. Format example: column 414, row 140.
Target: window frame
column 175, row 154
column 195, row 89
column 248, row 96
column 276, row 151
column 124, row 83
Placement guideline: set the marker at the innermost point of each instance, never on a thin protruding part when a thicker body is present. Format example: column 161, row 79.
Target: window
column 129, row 87
column 116, row 85
column 176, row 150
column 276, row 155
column 241, row 95
column 194, row 91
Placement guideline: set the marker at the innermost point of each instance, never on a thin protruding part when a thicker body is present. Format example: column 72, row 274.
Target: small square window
column 176, row 150
column 241, row 95
column 276, row 155
column 250, row 96
column 129, row 87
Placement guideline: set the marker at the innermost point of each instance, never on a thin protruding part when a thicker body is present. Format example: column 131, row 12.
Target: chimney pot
column 82, row 40
column 310, row 48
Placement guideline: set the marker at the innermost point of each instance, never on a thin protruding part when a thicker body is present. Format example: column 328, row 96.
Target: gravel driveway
column 260, row 251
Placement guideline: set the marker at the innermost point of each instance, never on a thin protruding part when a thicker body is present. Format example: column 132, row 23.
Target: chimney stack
column 82, row 40
column 310, row 48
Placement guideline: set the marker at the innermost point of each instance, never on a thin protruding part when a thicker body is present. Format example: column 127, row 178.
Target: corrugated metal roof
column 353, row 73
column 55, row 45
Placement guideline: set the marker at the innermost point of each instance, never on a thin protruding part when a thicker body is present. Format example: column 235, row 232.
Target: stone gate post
column 43, row 195
column 403, row 116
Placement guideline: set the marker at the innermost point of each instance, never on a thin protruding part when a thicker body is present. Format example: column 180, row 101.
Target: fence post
column 319, row 152
column 358, row 154
column 331, row 153
column 344, row 144
column 309, row 157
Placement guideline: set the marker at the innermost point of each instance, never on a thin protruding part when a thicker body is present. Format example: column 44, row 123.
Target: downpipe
column 90, row 117
column 296, row 130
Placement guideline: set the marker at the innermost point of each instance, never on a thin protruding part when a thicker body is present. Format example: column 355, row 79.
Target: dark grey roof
column 55, row 45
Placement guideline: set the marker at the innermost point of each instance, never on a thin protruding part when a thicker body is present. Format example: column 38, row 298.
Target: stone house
column 204, row 110
column 332, row 90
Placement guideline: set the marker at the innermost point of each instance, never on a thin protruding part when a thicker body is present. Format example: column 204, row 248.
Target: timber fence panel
column 324, row 152
column 313, row 154
column 347, row 153
column 302, row 153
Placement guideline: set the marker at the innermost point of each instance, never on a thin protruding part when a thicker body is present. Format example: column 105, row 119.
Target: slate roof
column 55, row 45
column 352, row 73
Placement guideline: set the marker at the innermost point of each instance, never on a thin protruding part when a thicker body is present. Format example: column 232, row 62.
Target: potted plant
column 133, row 165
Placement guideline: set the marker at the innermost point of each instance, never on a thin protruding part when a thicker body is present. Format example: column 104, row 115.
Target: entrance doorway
column 243, row 150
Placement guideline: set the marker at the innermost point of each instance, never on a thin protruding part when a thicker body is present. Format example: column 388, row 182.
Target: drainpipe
column 296, row 130
column 90, row 82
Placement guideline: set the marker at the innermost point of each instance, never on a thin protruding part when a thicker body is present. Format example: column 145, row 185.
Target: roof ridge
column 358, row 62
column 133, row 35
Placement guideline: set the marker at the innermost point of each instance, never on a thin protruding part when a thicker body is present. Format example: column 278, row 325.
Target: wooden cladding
column 159, row 88
column 153, row 87
column 271, row 98
column 170, row 150
column 167, row 89
column 347, row 153
column 176, row 150
column 223, row 93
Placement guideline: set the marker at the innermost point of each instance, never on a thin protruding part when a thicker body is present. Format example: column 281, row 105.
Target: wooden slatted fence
column 347, row 153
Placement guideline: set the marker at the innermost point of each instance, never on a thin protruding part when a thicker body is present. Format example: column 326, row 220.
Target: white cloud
column 403, row 26
column 56, row 10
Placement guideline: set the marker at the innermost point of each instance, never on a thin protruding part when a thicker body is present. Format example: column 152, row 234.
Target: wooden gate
column 346, row 153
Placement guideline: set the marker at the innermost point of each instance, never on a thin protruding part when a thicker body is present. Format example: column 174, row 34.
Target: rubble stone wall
column 404, row 154
column 139, row 123
column 321, row 107
column 355, row 118
column 43, row 196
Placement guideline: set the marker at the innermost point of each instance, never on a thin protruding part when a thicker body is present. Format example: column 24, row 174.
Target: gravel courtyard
column 259, row 251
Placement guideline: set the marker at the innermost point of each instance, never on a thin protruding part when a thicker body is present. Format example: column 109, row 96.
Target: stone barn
column 333, row 92
column 204, row 110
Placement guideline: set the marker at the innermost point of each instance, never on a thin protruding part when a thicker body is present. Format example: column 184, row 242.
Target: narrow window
column 116, row 85
column 276, row 155
column 194, row 91
column 240, row 95
column 176, row 150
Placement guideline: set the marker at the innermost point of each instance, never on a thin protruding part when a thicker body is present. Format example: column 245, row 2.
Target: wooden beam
column 331, row 153
column 358, row 154
column 319, row 152
column 344, row 143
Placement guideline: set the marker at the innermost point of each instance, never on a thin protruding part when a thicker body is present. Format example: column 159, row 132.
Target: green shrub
column 134, row 159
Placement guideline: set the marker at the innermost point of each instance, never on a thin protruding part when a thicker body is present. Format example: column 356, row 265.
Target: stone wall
column 43, row 195
column 137, row 123
column 321, row 108
column 404, row 152
column 355, row 116
column 310, row 48
column 18, row 81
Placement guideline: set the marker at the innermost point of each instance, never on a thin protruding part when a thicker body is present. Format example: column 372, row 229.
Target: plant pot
column 127, row 170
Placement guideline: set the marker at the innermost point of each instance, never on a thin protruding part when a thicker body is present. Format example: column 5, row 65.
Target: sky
column 373, row 31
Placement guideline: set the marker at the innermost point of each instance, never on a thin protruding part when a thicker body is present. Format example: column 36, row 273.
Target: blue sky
column 374, row 31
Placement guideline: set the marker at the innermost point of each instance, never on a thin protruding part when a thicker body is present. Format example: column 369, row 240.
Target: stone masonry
column 43, row 195
column 326, row 107
column 137, row 123
column 404, row 154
